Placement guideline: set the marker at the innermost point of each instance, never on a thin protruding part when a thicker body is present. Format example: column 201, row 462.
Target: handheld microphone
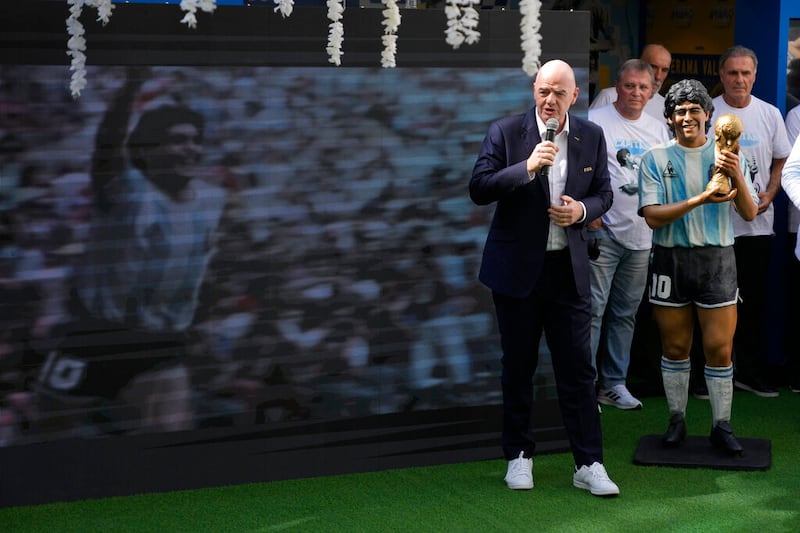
column 549, row 135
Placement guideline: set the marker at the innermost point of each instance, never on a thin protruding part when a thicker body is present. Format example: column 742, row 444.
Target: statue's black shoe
column 676, row 431
column 722, row 437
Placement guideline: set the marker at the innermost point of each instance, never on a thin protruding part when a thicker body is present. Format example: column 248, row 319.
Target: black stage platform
column 101, row 467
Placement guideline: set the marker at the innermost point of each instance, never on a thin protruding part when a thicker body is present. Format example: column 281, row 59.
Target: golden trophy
column 727, row 130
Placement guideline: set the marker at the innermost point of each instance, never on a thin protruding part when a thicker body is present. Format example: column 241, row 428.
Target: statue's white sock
column 675, row 375
column 719, row 381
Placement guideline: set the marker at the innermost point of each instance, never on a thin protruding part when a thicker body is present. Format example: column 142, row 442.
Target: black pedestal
column 697, row 452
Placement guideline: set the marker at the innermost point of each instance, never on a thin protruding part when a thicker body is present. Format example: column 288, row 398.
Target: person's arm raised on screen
column 108, row 158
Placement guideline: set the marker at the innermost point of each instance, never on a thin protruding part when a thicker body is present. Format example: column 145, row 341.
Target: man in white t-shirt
column 660, row 61
column 793, row 131
column 766, row 146
column 619, row 270
column 791, row 184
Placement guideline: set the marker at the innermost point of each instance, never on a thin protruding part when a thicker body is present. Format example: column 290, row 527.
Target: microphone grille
column 551, row 124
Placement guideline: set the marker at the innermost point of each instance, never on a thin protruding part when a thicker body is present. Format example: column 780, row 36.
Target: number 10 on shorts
column 660, row 286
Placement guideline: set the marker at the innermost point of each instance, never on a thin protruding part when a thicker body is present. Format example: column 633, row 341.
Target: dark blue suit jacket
column 517, row 240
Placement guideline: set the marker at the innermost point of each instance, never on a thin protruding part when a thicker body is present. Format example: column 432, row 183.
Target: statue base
column 697, row 452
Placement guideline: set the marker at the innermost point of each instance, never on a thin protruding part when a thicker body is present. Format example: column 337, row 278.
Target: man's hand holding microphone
column 544, row 154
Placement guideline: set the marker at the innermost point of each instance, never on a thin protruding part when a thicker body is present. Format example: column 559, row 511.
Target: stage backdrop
column 313, row 287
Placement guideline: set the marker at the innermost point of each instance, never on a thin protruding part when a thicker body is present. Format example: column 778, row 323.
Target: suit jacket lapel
column 574, row 146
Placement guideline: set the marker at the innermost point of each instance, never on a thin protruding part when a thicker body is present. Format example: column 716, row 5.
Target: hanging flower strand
column 335, row 32
column 462, row 22
column 391, row 21
column 285, row 7
column 190, row 7
column 529, row 35
column 76, row 45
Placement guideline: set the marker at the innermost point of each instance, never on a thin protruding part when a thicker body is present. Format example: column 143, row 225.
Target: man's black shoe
column 722, row 437
column 676, row 431
column 757, row 387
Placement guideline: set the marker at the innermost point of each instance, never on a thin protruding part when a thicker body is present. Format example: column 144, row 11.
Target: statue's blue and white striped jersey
column 673, row 173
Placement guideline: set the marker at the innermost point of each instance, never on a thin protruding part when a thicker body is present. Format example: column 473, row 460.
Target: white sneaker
column 618, row 396
column 594, row 479
column 520, row 473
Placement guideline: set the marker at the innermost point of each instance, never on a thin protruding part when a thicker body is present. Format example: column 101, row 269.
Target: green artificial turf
column 471, row 497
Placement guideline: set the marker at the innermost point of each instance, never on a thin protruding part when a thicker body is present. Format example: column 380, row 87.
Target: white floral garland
column 336, row 31
column 391, row 21
column 285, row 7
column 462, row 22
column 76, row 45
column 530, row 36
column 191, row 7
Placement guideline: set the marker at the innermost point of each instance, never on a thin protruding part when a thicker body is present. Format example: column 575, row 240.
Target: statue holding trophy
column 693, row 237
column 727, row 130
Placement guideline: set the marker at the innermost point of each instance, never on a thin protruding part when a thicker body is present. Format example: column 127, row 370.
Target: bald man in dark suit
column 536, row 264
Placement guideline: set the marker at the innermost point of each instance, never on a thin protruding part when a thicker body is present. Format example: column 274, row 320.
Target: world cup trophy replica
column 727, row 130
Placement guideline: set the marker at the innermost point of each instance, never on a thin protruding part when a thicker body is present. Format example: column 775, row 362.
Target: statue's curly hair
column 688, row 91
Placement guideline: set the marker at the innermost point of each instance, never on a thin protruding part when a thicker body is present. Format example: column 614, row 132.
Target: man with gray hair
column 766, row 146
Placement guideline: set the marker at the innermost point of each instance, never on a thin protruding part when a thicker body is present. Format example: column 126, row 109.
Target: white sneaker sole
column 745, row 387
column 612, row 403
column 596, row 492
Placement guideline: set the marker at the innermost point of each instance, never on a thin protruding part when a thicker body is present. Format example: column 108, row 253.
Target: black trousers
column 555, row 308
column 749, row 342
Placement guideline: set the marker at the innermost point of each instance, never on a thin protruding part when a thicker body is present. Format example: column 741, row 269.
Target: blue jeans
column 619, row 277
